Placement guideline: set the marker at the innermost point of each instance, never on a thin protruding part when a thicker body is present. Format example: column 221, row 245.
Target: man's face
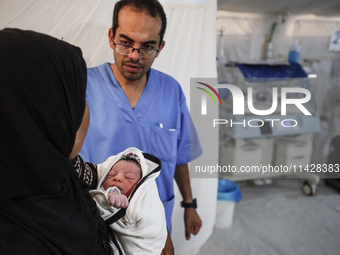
column 139, row 30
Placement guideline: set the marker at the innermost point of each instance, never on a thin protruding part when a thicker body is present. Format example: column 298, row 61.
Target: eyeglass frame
column 133, row 49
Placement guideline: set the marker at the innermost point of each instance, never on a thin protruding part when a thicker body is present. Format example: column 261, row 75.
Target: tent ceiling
column 317, row 7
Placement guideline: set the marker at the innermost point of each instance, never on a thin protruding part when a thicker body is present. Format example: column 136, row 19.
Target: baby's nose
column 118, row 177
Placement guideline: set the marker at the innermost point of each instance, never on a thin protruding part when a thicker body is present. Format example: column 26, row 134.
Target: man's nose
column 135, row 54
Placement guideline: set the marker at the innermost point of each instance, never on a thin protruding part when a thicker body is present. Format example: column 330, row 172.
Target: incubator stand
column 280, row 144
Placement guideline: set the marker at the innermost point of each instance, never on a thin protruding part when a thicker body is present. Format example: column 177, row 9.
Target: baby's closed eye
column 131, row 177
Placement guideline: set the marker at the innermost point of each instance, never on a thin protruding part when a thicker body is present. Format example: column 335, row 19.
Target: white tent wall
column 190, row 52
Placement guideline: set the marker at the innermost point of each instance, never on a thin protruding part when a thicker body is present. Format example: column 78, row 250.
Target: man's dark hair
column 152, row 7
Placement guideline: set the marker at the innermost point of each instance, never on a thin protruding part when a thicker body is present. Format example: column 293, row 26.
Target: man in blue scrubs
column 133, row 105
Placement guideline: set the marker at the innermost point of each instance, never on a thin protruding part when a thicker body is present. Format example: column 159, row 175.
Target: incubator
column 275, row 135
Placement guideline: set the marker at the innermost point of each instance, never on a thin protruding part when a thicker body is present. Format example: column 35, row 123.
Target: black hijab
column 42, row 101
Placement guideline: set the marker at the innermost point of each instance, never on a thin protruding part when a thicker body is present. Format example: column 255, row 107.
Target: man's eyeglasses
column 127, row 50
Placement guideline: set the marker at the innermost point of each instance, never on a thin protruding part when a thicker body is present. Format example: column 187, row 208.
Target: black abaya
column 44, row 207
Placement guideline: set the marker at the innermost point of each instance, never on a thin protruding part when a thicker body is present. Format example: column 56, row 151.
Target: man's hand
column 192, row 222
column 118, row 200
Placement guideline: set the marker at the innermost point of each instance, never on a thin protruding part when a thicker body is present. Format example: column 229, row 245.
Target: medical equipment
column 274, row 137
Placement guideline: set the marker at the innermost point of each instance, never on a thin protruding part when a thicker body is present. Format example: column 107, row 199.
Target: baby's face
column 124, row 175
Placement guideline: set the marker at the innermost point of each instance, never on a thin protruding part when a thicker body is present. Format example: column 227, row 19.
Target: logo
column 204, row 97
column 239, row 99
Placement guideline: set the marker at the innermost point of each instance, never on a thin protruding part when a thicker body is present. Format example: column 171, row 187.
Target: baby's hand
column 118, row 200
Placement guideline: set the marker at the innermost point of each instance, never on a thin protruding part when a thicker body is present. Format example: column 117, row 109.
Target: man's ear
column 110, row 34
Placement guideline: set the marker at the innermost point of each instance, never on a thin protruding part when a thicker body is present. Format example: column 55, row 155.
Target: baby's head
column 124, row 174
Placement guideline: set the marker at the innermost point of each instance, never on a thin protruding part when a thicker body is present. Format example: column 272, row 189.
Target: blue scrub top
column 160, row 124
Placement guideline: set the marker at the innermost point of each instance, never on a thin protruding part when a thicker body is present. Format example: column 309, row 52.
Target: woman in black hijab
column 44, row 207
